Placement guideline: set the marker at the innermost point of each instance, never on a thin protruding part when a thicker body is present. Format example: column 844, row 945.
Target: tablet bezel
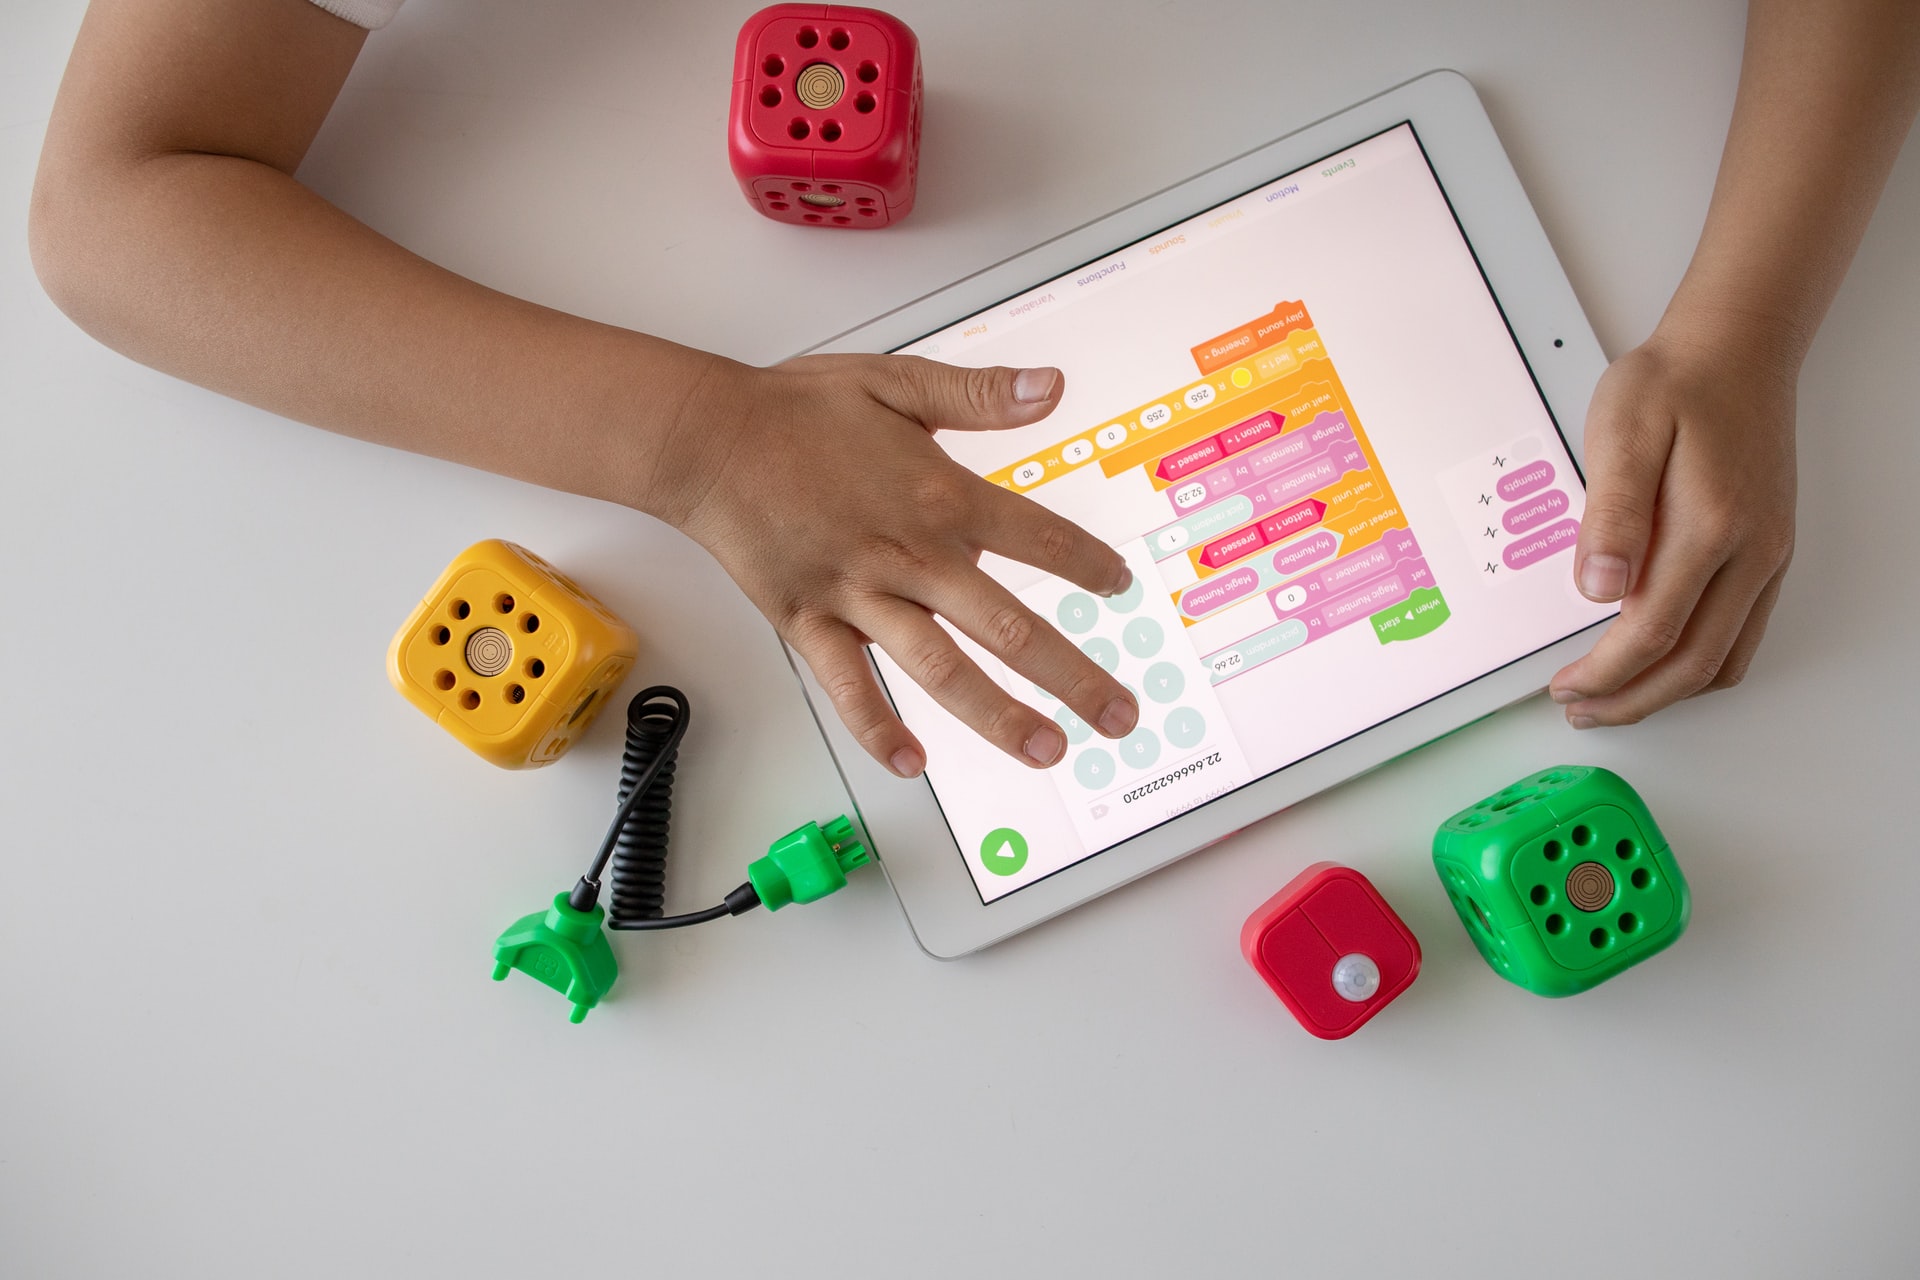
column 903, row 822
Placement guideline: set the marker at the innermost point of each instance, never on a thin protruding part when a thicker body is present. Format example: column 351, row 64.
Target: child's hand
column 819, row 488
column 1689, row 518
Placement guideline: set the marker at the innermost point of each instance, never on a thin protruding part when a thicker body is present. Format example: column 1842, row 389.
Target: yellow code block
column 1187, row 413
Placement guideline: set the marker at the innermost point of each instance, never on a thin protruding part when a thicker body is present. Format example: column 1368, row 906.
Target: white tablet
column 1326, row 398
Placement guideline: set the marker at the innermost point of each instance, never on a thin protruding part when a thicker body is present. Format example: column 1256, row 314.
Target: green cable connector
column 567, row 948
column 562, row 947
column 807, row 864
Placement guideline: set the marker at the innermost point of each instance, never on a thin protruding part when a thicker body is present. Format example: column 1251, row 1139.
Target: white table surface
column 249, row 894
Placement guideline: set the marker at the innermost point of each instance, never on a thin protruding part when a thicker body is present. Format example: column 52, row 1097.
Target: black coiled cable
column 636, row 840
column 656, row 721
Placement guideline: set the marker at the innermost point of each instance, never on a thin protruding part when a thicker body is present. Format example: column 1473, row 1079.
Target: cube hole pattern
column 858, row 51
column 484, row 611
column 510, row 655
column 860, row 201
column 1505, row 863
column 1615, row 841
column 788, row 49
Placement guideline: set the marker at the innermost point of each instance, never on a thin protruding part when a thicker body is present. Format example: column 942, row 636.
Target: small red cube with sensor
column 1331, row 949
column 825, row 125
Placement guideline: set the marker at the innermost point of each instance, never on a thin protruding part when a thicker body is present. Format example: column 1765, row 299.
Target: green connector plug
column 808, row 864
column 564, row 948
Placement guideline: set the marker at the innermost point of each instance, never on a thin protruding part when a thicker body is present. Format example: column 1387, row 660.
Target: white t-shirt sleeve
column 371, row 14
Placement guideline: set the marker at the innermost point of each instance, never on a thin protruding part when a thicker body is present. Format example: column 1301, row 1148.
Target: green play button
column 1004, row 851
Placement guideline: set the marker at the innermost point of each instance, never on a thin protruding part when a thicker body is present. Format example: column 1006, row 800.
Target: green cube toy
column 1562, row 880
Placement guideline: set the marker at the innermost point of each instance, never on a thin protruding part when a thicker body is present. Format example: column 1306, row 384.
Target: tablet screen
column 1302, row 419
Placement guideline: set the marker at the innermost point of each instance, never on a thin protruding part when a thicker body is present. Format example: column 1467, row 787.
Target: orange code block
column 510, row 656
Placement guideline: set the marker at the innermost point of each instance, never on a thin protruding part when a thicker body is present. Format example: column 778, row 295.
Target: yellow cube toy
column 509, row 656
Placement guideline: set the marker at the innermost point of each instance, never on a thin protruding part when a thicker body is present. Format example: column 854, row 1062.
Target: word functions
column 1513, row 507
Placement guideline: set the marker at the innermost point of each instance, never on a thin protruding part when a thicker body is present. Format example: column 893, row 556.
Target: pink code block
column 1199, row 454
column 1531, row 478
column 1304, row 554
column 1301, row 515
column 1535, row 511
column 1224, row 551
column 1541, row 543
column 1218, row 593
column 1251, row 432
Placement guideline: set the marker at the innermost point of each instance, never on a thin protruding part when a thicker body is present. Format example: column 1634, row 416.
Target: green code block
column 1562, row 879
column 1420, row 615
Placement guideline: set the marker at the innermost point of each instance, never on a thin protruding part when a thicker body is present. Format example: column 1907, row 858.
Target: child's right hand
column 818, row 486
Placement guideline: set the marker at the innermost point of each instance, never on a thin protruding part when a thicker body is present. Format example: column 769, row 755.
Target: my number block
column 1562, row 880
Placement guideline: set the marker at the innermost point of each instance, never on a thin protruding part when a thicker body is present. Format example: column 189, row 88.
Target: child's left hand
column 817, row 484
column 1689, row 519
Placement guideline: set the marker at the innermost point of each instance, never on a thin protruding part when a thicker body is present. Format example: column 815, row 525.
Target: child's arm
column 167, row 223
column 1690, row 436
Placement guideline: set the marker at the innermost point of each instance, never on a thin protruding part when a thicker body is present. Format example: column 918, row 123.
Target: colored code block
column 1531, row 478
column 1302, row 555
column 1190, row 459
column 1301, row 515
column 1541, row 544
column 1251, row 432
column 1218, row 593
column 1270, row 473
column 1535, row 512
column 1279, row 454
column 1224, row 551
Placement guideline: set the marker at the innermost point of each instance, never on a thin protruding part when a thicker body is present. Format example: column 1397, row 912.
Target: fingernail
column 1031, row 386
column 1119, row 718
column 1603, row 578
column 1564, row 696
column 1582, row 722
column 907, row 762
column 1045, row 746
column 1126, row 580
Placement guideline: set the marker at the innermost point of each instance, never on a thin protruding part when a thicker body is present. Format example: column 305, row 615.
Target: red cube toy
column 825, row 125
column 1331, row 949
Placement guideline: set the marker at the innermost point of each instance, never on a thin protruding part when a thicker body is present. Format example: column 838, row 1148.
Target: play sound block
column 1331, row 949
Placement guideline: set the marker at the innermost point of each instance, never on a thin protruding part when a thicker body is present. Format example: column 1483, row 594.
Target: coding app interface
column 1302, row 420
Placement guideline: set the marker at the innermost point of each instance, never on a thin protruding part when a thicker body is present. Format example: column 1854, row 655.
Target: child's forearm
column 229, row 274
column 167, row 222
column 1828, row 91
column 1690, row 438
column 184, row 241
